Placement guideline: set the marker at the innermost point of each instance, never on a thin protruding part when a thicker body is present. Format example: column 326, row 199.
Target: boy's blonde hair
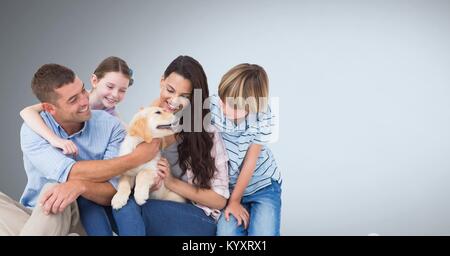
column 247, row 85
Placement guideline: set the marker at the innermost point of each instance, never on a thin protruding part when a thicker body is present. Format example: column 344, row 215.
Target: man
column 56, row 181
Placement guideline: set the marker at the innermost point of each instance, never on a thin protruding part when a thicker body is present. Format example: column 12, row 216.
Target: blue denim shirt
column 99, row 139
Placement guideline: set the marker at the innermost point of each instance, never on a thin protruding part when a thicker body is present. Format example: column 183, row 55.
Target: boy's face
column 233, row 113
column 72, row 104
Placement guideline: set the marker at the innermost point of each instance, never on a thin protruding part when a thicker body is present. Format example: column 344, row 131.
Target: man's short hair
column 48, row 78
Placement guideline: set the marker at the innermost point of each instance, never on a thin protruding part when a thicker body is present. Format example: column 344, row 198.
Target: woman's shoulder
column 218, row 151
column 155, row 103
column 212, row 129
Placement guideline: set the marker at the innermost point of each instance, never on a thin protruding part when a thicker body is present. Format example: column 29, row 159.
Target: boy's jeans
column 264, row 207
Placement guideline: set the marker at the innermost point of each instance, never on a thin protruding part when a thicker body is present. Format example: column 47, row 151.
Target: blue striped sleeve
column 112, row 150
column 117, row 136
column 264, row 127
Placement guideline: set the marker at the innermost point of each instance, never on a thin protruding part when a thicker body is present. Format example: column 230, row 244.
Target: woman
column 194, row 165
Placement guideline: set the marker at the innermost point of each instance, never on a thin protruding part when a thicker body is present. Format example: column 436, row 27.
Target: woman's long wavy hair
column 194, row 149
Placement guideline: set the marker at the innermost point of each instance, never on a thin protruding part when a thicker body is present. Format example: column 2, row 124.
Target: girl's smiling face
column 109, row 90
column 175, row 92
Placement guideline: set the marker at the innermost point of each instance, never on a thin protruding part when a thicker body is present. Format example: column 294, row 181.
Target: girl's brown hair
column 114, row 64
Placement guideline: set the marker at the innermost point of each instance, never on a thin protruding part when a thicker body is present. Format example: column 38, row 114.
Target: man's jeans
column 97, row 220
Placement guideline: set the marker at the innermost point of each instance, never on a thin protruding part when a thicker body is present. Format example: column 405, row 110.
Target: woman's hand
column 164, row 172
column 238, row 211
column 67, row 146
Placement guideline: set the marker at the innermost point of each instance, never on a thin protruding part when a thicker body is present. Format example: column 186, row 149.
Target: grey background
column 363, row 88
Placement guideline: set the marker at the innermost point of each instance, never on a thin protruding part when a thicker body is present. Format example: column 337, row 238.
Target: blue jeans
column 96, row 219
column 264, row 207
column 163, row 218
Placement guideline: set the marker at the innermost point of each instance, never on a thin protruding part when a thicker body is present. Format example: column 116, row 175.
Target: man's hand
column 58, row 197
column 145, row 152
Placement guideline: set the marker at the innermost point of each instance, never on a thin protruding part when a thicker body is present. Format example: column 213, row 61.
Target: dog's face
column 152, row 122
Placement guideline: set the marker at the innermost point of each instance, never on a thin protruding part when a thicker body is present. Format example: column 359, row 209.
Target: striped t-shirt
column 255, row 129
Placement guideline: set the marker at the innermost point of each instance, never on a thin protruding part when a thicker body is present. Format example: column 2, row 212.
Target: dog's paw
column 119, row 200
column 140, row 197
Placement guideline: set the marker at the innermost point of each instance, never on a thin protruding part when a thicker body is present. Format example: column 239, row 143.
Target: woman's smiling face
column 175, row 92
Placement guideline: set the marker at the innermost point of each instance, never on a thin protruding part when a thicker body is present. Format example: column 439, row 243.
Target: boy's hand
column 238, row 211
column 67, row 146
column 57, row 198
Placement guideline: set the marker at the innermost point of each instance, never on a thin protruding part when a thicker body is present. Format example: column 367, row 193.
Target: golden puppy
column 150, row 122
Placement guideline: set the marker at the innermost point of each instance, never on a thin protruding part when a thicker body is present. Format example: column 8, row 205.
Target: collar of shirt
column 227, row 125
column 61, row 131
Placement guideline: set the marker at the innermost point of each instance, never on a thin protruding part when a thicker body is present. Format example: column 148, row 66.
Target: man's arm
column 100, row 193
column 58, row 197
column 89, row 179
column 234, row 206
column 103, row 170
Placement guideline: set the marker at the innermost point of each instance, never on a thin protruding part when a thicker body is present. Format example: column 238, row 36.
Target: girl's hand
column 67, row 146
column 238, row 211
column 164, row 171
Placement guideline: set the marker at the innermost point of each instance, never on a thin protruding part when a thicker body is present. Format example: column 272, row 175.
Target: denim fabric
column 264, row 207
column 163, row 218
column 97, row 220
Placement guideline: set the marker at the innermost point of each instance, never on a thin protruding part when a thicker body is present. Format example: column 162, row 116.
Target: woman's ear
column 161, row 82
column 94, row 81
column 139, row 128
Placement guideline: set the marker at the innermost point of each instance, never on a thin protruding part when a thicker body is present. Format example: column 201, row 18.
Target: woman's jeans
column 264, row 207
column 163, row 218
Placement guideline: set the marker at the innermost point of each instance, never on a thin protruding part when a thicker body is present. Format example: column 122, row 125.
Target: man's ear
column 140, row 129
column 49, row 107
column 94, row 81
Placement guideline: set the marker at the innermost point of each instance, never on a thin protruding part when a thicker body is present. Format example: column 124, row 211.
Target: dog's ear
column 140, row 129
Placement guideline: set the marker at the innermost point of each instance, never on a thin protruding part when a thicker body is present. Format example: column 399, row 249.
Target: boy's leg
column 265, row 211
column 129, row 219
column 231, row 228
column 13, row 216
column 94, row 218
column 40, row 224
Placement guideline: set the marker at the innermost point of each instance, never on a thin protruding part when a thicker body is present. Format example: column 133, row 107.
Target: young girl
column 242, row 114
column 109, row 81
